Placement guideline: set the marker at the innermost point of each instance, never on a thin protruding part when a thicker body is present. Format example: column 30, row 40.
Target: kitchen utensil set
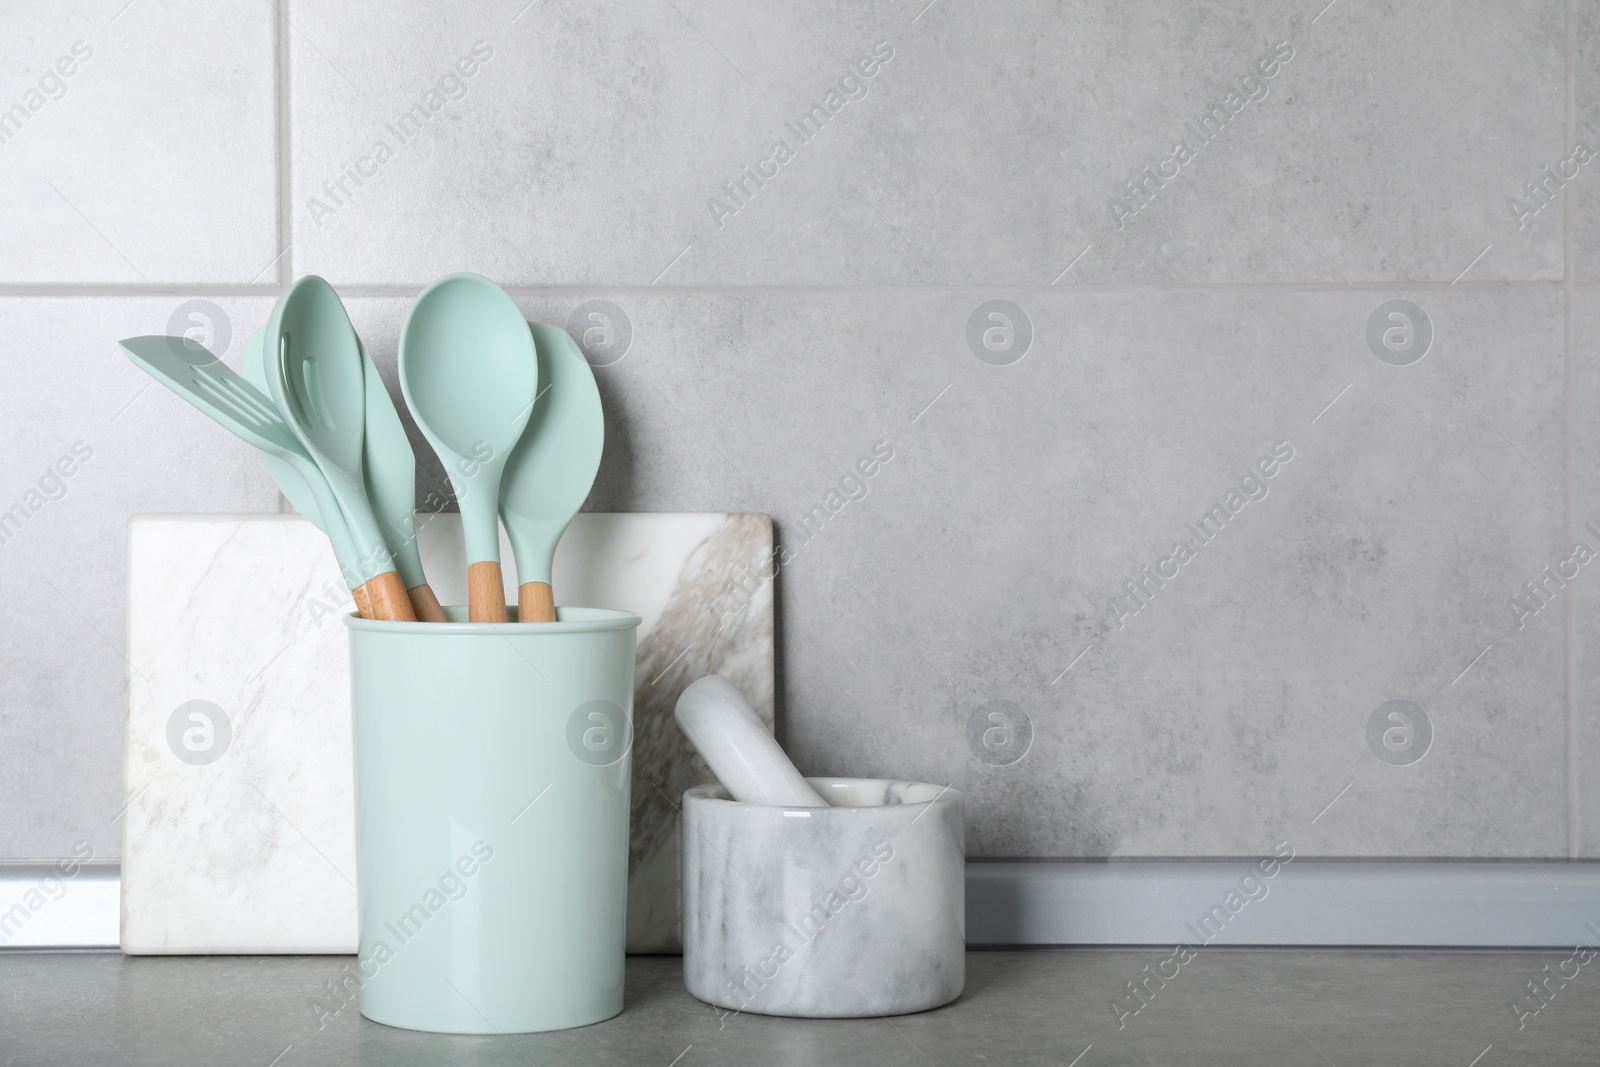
column 510, row 407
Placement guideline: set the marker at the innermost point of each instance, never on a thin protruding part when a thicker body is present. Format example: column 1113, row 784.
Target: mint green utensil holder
column 492, row 766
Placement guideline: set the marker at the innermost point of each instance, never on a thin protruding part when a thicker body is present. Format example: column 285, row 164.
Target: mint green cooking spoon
column 391, row 478
column 469, row 373
column 552, row 468
column 292, row 479
column 390, row 469
column 317, row 377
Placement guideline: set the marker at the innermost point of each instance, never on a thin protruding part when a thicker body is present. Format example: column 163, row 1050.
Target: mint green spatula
column 552, row 469
column 192, row 372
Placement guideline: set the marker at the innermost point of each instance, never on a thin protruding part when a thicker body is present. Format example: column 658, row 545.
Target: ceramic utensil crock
column 492, row 769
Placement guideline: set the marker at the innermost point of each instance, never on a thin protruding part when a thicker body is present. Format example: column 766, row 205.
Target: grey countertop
column 1233, row 1007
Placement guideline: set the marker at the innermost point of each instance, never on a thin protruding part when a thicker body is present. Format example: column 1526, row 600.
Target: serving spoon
column 470, row 375
column 552, row 467
column 391, row 478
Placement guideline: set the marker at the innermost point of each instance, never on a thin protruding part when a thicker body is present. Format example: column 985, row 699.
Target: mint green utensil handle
column 301, row 481
column 390, row 469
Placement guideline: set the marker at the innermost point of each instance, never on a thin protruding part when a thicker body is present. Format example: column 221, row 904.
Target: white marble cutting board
column 239, row 835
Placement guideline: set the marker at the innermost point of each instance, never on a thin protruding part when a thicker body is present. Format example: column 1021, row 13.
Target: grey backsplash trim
column 1165, row 903
column 1499, row 904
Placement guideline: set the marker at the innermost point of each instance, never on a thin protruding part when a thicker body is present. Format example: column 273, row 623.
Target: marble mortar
column 855, row 910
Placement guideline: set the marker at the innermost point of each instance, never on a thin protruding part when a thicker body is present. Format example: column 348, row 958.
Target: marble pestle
column 739, row 748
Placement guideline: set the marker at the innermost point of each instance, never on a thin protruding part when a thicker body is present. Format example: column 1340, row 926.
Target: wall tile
column 987, row 148
column 155, row 160
column 64, row 384
column 1385, row 149
column 579, row 149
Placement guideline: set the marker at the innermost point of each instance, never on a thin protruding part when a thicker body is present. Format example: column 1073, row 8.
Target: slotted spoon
column 315, row 371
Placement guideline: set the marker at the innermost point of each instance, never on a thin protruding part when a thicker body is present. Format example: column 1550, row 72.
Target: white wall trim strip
column 60, row 904
column 1548, row 904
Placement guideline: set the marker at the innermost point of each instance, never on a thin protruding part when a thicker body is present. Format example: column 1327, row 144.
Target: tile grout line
column 280, row 32
column 377, row 291
column 285, row 237
column 1569, row 404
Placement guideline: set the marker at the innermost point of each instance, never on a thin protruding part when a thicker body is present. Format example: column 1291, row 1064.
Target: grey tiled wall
column 1157, row 353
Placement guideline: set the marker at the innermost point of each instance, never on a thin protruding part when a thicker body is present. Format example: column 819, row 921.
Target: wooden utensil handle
column 389, row 600
column 486, row 593
column 536, row 603
column 363, row 602
column 425, row 604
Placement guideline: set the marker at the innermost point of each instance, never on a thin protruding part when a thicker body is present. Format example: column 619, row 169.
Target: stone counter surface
column 1283, row 1008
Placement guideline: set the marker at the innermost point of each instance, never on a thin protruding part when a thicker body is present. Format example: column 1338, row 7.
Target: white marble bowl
column 858, row 909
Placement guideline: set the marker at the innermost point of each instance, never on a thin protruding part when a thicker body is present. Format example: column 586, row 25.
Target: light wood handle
column 363, row 602
column 425, row 604
column 486, row 593
column 536, row 603
column 389, row 600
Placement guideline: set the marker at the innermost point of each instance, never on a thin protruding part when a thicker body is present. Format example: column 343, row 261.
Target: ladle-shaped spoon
column 470, row 374
column 552, row 468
